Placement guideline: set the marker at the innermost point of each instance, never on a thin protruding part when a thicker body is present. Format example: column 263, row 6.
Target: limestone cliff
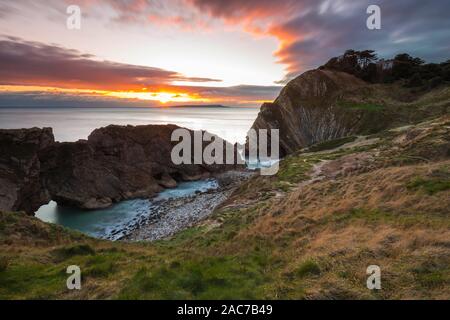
column 322, row 105
column 306, row 111
column 115, row 163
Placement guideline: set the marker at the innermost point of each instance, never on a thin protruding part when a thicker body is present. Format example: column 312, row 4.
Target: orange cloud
column 33, row 73
column 31, row 63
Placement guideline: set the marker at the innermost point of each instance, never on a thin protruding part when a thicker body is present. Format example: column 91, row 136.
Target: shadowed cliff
column 114, row 164
column 326, row 104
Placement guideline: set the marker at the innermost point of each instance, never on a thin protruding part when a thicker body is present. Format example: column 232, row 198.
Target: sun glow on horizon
column 163, row 97
column 158, row 96
column 144, row 95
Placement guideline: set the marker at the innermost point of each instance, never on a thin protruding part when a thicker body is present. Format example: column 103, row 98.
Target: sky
column 169, row 52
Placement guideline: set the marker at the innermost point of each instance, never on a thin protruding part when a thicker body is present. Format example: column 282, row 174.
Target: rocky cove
column 117, row 164
column 171, row 211
column 120, row 183
column 114, row 164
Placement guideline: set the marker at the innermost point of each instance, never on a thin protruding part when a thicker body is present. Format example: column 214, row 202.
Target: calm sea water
column 72, row 124
column 105, row 223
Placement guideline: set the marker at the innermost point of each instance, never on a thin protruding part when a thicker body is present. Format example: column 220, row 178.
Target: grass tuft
column 331, row 144
column 430, row 185
column 75, row 250
column 4, row 263
column 308, row 268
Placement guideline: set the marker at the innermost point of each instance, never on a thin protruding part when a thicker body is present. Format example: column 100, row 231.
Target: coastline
column 165, row 218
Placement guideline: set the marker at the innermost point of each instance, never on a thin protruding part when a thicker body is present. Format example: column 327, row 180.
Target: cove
column 111, row 222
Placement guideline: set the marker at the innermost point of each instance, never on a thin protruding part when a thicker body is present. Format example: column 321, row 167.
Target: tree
column 367, row 57
column 405, row 66
column 415, row 81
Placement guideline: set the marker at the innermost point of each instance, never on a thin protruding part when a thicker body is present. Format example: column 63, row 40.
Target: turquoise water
column 72, row 124
column 107, row 223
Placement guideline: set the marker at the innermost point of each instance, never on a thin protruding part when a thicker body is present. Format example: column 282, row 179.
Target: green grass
column 433, row 279
column 376, row 216
column 308, row 268
column 101, row 266
column 294, row 170
column 226, row 277
column 46, row 279
column 430, row 186
column 71, row 251
column 4, row 263
column 231, row 255
column 331, row 144
column 433, row 273
column 32, row 281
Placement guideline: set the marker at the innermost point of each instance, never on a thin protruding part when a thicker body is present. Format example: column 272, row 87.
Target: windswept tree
column 405, row 66
column 359, row 63
column 367, row 57
column 411, row 71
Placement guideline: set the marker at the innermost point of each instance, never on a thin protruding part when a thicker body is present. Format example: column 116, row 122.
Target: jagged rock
column 322, row 105
column 115, row 163
column 20, row 168
column 306, row 111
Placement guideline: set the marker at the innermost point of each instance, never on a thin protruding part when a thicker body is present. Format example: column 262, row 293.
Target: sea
column 72, row 124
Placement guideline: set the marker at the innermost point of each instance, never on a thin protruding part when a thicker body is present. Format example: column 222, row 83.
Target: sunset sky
column 167, row 52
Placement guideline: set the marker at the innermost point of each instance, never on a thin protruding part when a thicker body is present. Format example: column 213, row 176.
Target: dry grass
column 282, row 237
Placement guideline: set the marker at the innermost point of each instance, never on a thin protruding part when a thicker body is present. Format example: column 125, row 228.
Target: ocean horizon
column 75, row 123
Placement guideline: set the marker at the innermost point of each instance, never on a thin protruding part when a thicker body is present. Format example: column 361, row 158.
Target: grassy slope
column 383, row 203
column 382, row 106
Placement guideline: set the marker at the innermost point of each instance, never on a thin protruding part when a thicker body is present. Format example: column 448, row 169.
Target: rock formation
column 306, row 111
column 322, row 105
column 115, row 163
column 20, row 168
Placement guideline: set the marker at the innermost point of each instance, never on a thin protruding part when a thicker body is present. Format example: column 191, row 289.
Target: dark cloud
column 46, row 99
column 32, row 63
column 25, row 63
column 310, row 32
column 239, row 9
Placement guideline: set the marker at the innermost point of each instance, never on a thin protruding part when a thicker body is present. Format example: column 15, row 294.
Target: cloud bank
column 31, row 63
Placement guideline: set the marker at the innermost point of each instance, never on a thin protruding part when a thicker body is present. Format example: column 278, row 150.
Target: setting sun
column 224, row 154
column 163, row 97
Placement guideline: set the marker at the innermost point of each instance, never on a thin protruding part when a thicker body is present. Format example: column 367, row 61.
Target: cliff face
column 20, row 168
column 322, row 105
column 114, row 164
column 306, row 112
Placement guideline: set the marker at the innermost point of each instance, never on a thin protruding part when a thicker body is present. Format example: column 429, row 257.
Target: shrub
column 101, row 270
column 4, row 263
column 430, row 186
column 415, row 81
column 76, row 250
column 193, row 282
column 435, row 82
column 308, row 268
